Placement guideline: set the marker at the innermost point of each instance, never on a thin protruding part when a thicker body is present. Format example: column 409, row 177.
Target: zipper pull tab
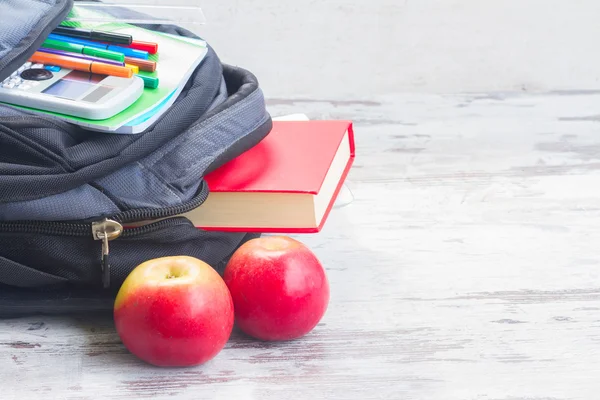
column 105, row 264
column 106, row 231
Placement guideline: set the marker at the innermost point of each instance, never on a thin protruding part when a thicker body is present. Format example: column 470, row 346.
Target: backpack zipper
column 105, row 231
column 109, row 228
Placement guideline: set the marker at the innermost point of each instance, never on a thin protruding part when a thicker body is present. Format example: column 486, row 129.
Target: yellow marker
column 134, row 68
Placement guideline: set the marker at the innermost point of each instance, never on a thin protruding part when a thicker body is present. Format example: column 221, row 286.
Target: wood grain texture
column 355, row 48
column 466, row 267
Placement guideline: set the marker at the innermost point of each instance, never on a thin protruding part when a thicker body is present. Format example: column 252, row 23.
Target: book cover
column 287, row 183
column 294, row 158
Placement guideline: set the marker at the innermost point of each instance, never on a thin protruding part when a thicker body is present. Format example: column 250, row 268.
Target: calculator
column 69, row 92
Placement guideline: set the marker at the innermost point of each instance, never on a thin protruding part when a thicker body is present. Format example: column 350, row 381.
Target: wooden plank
column 465, row 268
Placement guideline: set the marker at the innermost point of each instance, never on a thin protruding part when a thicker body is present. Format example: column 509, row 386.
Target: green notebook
column 176, row 59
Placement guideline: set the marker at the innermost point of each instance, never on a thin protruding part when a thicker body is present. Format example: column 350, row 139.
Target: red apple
column 174, row 312
column 279, row 288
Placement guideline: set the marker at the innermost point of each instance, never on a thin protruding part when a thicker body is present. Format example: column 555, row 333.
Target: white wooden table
column 467, row 267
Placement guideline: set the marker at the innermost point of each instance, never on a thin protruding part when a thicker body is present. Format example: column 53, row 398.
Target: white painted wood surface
column 358, row 48
column 467, row 267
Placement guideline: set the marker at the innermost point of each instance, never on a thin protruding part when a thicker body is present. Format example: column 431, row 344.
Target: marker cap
column 151, row 48
column 149, row 81
column 145, row 65
column 111, row 55
column 134, row 68
column 129, row 52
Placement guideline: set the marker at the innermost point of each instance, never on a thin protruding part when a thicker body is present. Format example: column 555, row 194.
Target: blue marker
column 118, row 49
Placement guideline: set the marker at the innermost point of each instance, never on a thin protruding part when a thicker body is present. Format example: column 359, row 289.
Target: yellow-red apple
column 174, row 312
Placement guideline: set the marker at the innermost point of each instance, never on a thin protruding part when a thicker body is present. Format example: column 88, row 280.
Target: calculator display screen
column 73, row 85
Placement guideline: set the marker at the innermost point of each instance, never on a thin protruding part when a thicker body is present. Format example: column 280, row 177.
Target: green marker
column 88, row 51
column 149, row 81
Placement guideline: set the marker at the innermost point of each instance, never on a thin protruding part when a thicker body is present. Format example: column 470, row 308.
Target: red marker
column 151, row 48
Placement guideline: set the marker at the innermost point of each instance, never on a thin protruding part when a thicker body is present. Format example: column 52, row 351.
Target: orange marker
column 81, row 65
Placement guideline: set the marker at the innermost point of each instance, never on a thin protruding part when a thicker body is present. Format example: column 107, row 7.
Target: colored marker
column 134, row 68
column 101, row 36
column 81, row 65
column 88, row 43
column 126, row 51
column 149, row 81
column 151, row 48
column 145, row 65
column 80, row 56
column 81, row 49
column 75, row 40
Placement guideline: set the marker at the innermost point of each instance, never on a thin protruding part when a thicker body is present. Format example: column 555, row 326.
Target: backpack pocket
column 79, row 251
column 25, row 25
column 58, row 271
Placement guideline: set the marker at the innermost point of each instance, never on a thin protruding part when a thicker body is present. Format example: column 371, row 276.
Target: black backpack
column 66, row 192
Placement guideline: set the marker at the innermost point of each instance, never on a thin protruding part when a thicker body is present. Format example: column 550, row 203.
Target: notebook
column 287, row 183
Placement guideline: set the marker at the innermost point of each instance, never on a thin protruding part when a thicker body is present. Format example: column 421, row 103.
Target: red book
column 287, row 183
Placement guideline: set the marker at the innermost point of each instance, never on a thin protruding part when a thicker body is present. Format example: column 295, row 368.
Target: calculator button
column 16, row 80
column 37, row 66
column 23, row 87
column 14, row 74
column 27, row 65
column 36, row 74
column 52, row 68
column 8, row 85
